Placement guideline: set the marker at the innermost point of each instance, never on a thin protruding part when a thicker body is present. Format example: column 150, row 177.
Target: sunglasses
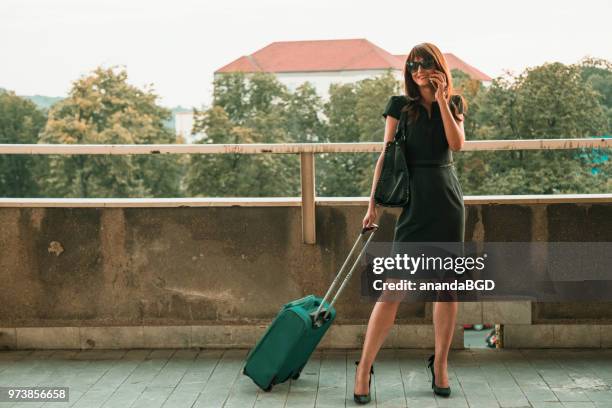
column 413, row 66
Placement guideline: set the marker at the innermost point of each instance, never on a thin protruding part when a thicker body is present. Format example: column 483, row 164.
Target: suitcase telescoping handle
column 316, row 314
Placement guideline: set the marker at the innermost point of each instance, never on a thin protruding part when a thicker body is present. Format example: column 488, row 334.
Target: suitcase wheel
column 269, row 387
column 296, row 376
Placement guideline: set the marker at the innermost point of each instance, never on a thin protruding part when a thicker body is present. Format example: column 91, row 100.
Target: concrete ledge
column 506, row 312
column 116, row 337
column 282, row 201
column 498, row 312
column 8, row 338
column 557, row 336
column 47, row 337
column 212, row 336
column 470, row 313
column 400, row 336
column 151, row 202
column 245, row 336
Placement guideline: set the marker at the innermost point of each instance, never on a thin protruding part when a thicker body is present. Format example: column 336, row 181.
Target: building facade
column 322, row 63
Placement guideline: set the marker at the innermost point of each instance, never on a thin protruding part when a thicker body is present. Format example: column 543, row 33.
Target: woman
column 433, row 126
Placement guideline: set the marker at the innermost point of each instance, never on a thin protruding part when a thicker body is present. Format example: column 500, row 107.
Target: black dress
column 435, row 211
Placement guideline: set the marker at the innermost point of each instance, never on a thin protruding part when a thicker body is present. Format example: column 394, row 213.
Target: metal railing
column 305, row 150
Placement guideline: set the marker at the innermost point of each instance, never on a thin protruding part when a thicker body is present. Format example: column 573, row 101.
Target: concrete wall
column 216, row 276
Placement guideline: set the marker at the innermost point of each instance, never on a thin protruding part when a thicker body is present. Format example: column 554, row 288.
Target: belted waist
column 430, row 164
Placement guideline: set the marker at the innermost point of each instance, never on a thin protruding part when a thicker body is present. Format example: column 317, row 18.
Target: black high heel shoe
column 442, row 391
column 364, row 398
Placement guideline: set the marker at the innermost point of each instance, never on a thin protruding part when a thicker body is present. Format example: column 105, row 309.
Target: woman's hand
column 370, row 216
column 439, row 80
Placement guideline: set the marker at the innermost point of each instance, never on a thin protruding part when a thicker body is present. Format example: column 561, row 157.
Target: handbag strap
column 400, row 130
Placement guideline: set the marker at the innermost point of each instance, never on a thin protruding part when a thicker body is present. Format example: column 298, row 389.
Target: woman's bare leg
column 380, row 323
column 444, row 317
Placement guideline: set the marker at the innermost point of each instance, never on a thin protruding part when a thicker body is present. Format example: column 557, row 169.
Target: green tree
column 246, row 109
column 230, row 92
column 302, row 119
column 102, row 108
column 549, row 101
column 598, row 72
column 354, row 113
column 20, row 123
column 337, row 173
column 471, row 89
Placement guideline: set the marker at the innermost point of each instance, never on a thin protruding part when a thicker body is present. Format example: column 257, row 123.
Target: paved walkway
column 212, row 378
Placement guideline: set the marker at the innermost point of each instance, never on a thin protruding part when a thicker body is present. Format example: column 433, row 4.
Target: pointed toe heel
column 441, row 391
column 364, row 398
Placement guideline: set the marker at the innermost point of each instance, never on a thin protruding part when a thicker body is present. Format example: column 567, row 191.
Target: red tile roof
column 329, row 55
column 319, row 55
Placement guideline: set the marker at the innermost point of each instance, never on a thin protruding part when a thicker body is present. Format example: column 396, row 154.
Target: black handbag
column 393, row 186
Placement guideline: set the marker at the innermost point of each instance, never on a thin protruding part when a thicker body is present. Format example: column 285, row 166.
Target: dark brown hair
column 411, row 89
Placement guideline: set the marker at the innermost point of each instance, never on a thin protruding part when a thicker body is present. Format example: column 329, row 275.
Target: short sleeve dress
column 435, row 211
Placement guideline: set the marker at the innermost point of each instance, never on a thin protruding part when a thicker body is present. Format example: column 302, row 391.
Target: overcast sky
column 178, row 44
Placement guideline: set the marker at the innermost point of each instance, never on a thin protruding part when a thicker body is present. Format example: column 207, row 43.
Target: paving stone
column 191, row 377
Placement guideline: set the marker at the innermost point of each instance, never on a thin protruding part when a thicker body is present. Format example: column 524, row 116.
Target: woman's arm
column 390, row 129
column 455, row 134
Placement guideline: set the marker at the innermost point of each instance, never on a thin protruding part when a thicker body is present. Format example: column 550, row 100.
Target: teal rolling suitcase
column 284, row 349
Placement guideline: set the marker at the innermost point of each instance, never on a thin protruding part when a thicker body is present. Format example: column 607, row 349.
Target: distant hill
column 41, row 101
column 45, row 102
